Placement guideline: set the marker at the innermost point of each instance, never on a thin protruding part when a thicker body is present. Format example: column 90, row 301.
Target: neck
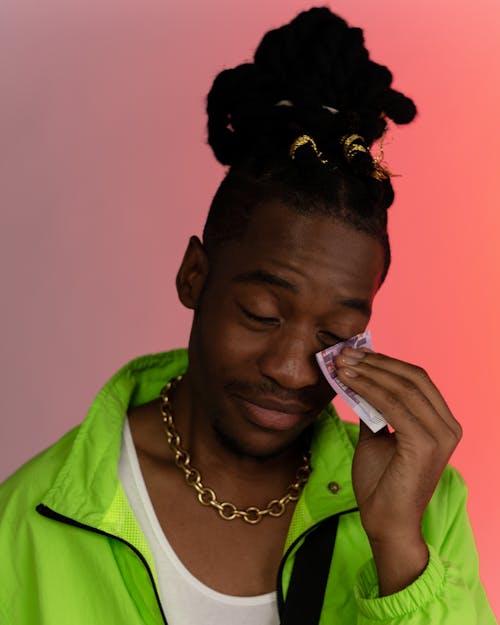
column 236, row 475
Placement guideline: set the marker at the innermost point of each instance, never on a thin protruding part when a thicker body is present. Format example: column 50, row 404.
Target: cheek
column 230, row 348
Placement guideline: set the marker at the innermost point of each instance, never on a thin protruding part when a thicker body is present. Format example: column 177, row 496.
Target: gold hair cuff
column 351, row 144
column 306, row 140
column 356, row 143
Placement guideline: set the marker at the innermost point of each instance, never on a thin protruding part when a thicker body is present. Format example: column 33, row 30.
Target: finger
column 384, row 392
column 402, row 403
column 404, row 369
column 414, row 374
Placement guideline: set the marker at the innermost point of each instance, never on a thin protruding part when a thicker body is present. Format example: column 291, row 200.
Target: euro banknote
column 326, row 360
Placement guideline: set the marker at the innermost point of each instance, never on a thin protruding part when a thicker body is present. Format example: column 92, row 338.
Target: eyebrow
column 360, row 305
column 260, row 276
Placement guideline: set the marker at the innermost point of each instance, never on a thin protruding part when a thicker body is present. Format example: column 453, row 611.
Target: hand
column 395, row 474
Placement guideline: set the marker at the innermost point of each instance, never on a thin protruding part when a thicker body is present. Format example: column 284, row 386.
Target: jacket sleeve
column 449, row 591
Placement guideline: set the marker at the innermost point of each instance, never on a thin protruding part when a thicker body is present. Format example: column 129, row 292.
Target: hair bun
column 316, row 62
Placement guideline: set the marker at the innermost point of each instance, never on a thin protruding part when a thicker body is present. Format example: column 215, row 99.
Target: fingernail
column 350, row 373
column 353, row 353
column 350, row 361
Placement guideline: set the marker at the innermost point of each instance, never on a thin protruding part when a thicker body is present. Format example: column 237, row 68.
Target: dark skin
column 263, row 306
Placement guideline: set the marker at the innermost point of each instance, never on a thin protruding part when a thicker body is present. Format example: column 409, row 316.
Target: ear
column 192, row 274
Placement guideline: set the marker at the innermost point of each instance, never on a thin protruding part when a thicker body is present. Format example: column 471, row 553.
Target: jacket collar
column 87, row 482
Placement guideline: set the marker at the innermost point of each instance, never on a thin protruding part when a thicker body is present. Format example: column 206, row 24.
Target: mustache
column 308, row 396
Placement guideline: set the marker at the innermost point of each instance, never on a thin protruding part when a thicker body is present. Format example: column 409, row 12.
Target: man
column 218, row 485
column 242, row 407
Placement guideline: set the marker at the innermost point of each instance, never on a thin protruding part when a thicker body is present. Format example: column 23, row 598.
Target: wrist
column 399, row 562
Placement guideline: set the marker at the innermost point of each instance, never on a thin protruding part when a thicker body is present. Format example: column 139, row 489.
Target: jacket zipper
column 51, row 514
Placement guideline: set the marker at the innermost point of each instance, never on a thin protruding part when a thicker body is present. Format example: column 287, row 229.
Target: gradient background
column 104, row 173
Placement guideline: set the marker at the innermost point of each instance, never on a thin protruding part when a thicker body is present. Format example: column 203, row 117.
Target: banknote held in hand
column 326, row 360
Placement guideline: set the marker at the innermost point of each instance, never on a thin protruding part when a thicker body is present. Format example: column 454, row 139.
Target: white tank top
column 185, row 599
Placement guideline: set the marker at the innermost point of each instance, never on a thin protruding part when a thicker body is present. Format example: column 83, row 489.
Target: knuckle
column 454, row 438
column 429, row 444
column 409, row 387
column 391, row 400
column 459, row 432
column 449, row 442
column 421, row 374
column 370, row 384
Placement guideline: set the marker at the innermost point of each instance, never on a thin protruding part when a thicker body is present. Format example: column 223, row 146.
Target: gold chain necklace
column 207, row 496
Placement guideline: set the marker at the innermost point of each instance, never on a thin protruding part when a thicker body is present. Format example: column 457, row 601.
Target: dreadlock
column 312, row 76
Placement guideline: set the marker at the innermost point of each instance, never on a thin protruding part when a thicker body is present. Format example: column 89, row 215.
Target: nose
column 289, row 361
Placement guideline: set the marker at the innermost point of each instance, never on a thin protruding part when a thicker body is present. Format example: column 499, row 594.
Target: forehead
column 315, row 252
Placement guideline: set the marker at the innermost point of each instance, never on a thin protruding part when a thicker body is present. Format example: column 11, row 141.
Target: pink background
column 104, row 173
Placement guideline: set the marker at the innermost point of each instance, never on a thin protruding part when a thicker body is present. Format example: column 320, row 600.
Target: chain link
column 206, row 496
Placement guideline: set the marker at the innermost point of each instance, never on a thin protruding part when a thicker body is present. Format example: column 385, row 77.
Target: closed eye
column 258, row 318
column 330, row 339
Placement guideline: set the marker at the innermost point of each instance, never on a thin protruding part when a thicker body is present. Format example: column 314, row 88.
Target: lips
column 272, row 415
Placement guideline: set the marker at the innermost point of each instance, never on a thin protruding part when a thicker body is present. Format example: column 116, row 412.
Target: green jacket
column 72, row 553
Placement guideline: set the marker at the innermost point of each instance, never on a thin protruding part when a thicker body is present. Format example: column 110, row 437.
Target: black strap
column 304, row 599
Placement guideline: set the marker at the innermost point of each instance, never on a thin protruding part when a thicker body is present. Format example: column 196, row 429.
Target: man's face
column 293, row 285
